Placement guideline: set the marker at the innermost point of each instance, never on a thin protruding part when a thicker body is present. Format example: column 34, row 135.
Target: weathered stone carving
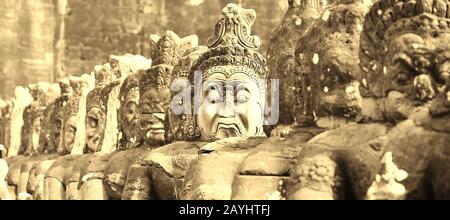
column 6, row 108
column 91, row 177
column 62, row 178
column 42, row 94
column 412, row 56
column 232, row 57
column 169, row 163
column 96, row 107
column 154, row 99
column 22, row 99
column 54, row 138
column 389, row 80
column 298, row 21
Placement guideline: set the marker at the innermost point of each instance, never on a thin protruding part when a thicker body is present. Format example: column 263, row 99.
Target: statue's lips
column 226, row 126
column 156, row 130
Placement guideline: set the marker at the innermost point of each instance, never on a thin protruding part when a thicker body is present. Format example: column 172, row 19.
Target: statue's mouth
column 225, row 130
column 156, row 130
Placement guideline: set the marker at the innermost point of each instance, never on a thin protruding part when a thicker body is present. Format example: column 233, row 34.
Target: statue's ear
column 249, row 16
column 188, row 42
column 154, row 38
column 153, row 48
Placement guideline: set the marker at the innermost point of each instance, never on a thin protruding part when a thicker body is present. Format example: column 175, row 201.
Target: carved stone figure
column 168, row 164
column 270, row 162
column 297, row 22
column 61, row 179
column 123, row 107
column 6, row 108
column 412, row 55
column 392, row 90
column 62, row 113
column 231, row 100
column 149, row 89
column 23, row 98
column 42, row 93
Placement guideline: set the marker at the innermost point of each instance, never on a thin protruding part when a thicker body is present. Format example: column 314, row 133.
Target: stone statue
column 168, row 164
column 391, row 91
column 61, row 179
column 4, row 193
column 63, row 114
column 124, row 107
column 412, row 54
column 42, row 94
column 6, row 108
column 271, row 161
column 297, row 22
column 21, row 100
column 51, row 145
column 232, row 74
column 148, row 88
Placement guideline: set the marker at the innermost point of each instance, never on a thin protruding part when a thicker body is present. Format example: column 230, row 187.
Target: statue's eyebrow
column 404, row 59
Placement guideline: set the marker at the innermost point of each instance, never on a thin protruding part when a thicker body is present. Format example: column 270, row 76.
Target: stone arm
column 422, row 153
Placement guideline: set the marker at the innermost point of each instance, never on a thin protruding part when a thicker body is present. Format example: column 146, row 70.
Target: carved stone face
column 336, row 91
column 231, row 104
column 128, row 113
column 415, row 69
column 70, row 130
column 36, row 132
column 328, row 58
column 57, row 127
column 95, row 127
column 153, row 104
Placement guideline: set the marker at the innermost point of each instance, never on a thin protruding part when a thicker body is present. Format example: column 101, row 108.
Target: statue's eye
column 93, row 123
column 72, row 130
column 132, row 108
column 242, row 96
column 330, row 80
column 402, row 78
column 58, row 125
column 213, row 96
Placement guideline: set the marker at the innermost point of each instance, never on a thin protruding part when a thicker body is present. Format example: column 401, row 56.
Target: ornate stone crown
column 182, row 126
column 181, row 70
column 387, row 18
column 71, row 107
column 232, row 44
column 43, row 94
column 169, row 49
column 104, row 83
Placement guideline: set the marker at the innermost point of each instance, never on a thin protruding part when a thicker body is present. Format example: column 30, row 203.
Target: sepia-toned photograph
column 256, row 100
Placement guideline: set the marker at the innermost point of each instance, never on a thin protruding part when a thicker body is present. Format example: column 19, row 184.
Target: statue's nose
column 227, row 108
column 425, row 87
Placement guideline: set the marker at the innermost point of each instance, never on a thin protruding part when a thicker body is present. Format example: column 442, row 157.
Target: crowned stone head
column 405, row 54
column 232, row 97
column 154, row 85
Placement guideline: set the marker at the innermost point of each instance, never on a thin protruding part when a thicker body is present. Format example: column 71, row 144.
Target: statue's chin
column 398, row 106
column 155, row 137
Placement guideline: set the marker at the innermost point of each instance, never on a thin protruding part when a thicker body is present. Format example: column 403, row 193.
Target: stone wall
column 26, row 43
column 47, row 39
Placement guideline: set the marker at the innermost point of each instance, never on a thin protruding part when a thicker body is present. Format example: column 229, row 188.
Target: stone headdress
column 43, row 94
column 388, row 18
column 54, row 117
column 168, row 50
column 180, row 126
column 232, row 44
column 104, row 83
column 131, row 66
